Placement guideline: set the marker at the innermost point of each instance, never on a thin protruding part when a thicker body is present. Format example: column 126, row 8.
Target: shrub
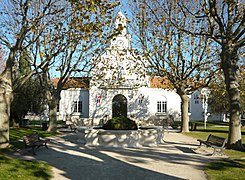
column 120, row 123
column 176, row 124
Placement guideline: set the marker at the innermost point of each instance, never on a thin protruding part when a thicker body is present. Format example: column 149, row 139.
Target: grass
column 226, row 169
column 39, row 123
column 230, row 168
column 201, row 123
column 18, row 133
column 21, row 169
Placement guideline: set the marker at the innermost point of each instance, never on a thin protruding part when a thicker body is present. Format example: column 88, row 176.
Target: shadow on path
column 73, row 160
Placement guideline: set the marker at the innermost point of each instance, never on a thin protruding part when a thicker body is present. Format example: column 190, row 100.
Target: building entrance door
column 119, row 106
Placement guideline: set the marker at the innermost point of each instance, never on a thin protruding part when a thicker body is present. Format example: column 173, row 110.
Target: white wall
column 197, row 109
column 146, row 110
column 98, row 110
column 67, row 99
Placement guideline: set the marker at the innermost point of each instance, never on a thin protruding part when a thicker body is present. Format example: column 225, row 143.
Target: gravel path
column 175, row 159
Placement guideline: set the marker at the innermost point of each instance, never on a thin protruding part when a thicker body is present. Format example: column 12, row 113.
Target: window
column 77, row 106
column 196, row 99
column 161, row 106
column 58, row 106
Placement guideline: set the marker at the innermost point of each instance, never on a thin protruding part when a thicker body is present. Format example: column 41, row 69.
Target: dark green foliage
column 175, row 124
column 120, row 123
column 28, row 95
column 28, row 98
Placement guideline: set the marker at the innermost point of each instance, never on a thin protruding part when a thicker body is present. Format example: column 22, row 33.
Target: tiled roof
column 82, row 82
column 74, row 82
column 160, row 82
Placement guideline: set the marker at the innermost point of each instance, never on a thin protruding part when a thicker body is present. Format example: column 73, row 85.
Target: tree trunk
column 52, row 103
column 229, row 59
column 6, row 95
column 184, row 113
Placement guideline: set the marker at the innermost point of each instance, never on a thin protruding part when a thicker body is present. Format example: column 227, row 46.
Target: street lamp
column 205, row 94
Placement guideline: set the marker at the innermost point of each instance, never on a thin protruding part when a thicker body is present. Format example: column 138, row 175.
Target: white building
column 197, row 108
column 119, row 87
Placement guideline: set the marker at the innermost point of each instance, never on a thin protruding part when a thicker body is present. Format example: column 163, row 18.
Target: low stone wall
column 148, row 136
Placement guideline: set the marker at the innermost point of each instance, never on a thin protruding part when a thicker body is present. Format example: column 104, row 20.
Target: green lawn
column 21, row 169
column 231, row 168
column 226, row 169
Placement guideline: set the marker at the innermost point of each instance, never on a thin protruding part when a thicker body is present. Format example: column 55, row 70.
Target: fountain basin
column 147, row 136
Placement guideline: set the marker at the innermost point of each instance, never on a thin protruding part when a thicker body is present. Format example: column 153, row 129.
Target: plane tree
column 187, row 61
column 67, row 46
column 222, row 22
column 218, row 101
column 18, row 21
column 2, row 60
column 23, row 26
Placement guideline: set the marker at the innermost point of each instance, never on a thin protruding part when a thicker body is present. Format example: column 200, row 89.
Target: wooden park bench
column 34, row 141
column 215, row 142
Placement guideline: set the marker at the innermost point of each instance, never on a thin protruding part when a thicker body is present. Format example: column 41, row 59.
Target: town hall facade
column 119, row 86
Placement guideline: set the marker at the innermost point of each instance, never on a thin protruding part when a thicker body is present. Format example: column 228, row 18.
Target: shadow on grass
column 23, row 169
column 227, row 163
column 213, row 130
column 217, row 131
